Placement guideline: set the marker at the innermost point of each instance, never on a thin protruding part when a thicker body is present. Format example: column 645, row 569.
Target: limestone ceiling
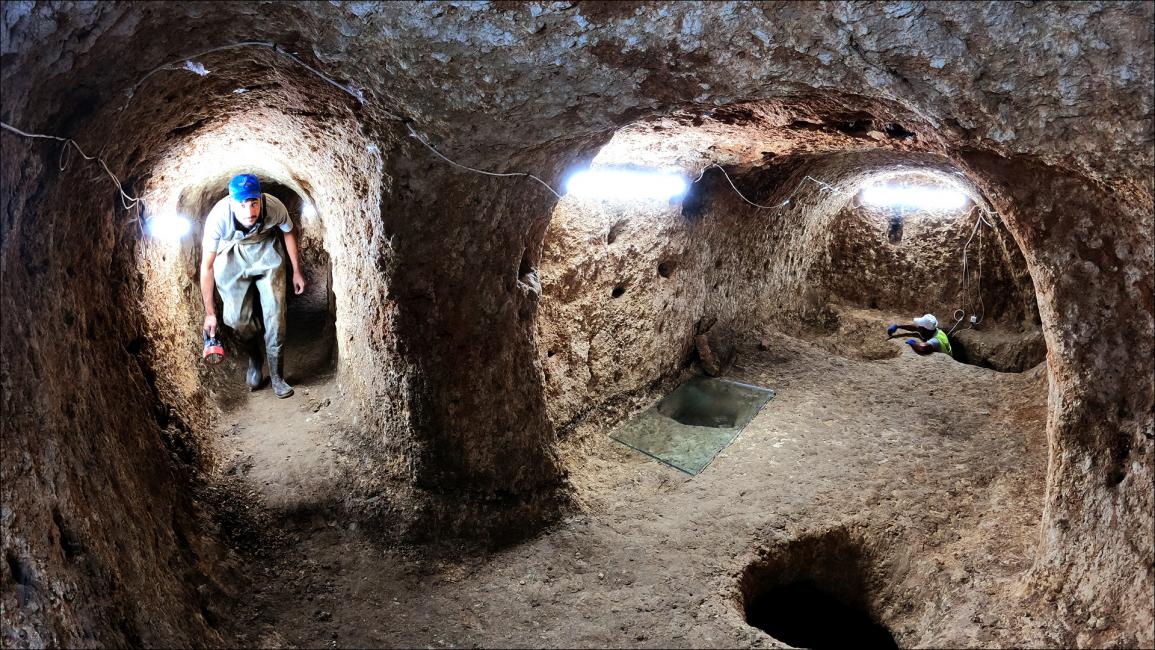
column 1061, row 81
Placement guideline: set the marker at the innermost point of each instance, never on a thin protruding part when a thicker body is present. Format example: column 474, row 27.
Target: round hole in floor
column 812, row 592
column 665, row 269
column 618, row 291
column 804, row 615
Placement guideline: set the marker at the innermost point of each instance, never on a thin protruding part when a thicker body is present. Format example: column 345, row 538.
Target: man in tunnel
column 926, row 326
column 241, row 255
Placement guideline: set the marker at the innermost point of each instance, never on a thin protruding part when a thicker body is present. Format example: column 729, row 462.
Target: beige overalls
column 245, row 261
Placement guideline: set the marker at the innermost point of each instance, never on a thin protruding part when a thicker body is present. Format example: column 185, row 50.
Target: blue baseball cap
column 244, row 187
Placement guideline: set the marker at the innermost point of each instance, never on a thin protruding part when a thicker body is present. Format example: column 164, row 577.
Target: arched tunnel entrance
column 284, row 449
column 259, row 441
column 311, row 345
column 474, row 332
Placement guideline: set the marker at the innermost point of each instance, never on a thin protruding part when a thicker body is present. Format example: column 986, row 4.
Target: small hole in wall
column 21, row 576
column 665, row 269
column 718, row 264
column 551, row 353
column 615, row 230
column 525, row 267
column 69, row 541
column 135, row 346
column 898, row 131
column 18, row 569
column 894, row 229
column 618, row 291
column 1122, row 456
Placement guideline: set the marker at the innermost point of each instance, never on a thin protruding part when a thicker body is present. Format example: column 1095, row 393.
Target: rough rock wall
column 623, row 288
column 1089, row 248
column 564, row 69
column 465, row 291
column 923, row 270
column 101, row 543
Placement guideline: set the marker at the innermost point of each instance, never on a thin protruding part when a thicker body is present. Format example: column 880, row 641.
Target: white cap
column 927, row 322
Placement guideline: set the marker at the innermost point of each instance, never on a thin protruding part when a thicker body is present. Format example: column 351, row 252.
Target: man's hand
column 211, row 324
column 892, row 329
column 911, row 342
column 298, row 283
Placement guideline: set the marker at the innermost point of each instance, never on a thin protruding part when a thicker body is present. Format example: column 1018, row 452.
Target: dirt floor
column 932, row 469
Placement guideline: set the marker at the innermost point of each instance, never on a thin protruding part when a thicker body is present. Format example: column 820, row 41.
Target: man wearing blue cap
column 241, row 253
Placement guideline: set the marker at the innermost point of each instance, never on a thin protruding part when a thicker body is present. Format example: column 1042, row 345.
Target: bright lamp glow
column 167, row 226
column 625, row 184
column 309, row 211
column 911, row 196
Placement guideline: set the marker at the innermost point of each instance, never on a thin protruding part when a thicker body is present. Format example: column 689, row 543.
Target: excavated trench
column 467, row 342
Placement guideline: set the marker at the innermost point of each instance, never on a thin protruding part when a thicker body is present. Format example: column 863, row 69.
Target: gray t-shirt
column 220, row 226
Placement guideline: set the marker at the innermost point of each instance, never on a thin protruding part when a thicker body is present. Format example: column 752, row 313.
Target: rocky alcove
column 475, row 328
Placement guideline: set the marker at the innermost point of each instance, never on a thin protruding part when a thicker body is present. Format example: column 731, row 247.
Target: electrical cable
column 125, row 200
column 168, row 66
column 980, row 221
column 356, row 93
column 128, row 201
column 959, row 315
column 823, row 185
column 979, row 282
column 353, row 92
column 425, row 142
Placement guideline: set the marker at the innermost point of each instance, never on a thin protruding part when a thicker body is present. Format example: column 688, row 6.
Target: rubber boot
column 280, row 387
column 253, row 376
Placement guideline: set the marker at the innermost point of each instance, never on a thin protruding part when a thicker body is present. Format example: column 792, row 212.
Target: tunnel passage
column 310, row 346
column 301, row 141
column 188, row 183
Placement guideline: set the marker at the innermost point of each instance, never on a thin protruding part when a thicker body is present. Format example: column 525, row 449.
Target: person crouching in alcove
column 241, row 250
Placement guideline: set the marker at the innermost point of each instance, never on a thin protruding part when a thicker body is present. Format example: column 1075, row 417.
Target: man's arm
column 208, row 284
column 291, row 249
column 892, row 331
column 922, row 348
